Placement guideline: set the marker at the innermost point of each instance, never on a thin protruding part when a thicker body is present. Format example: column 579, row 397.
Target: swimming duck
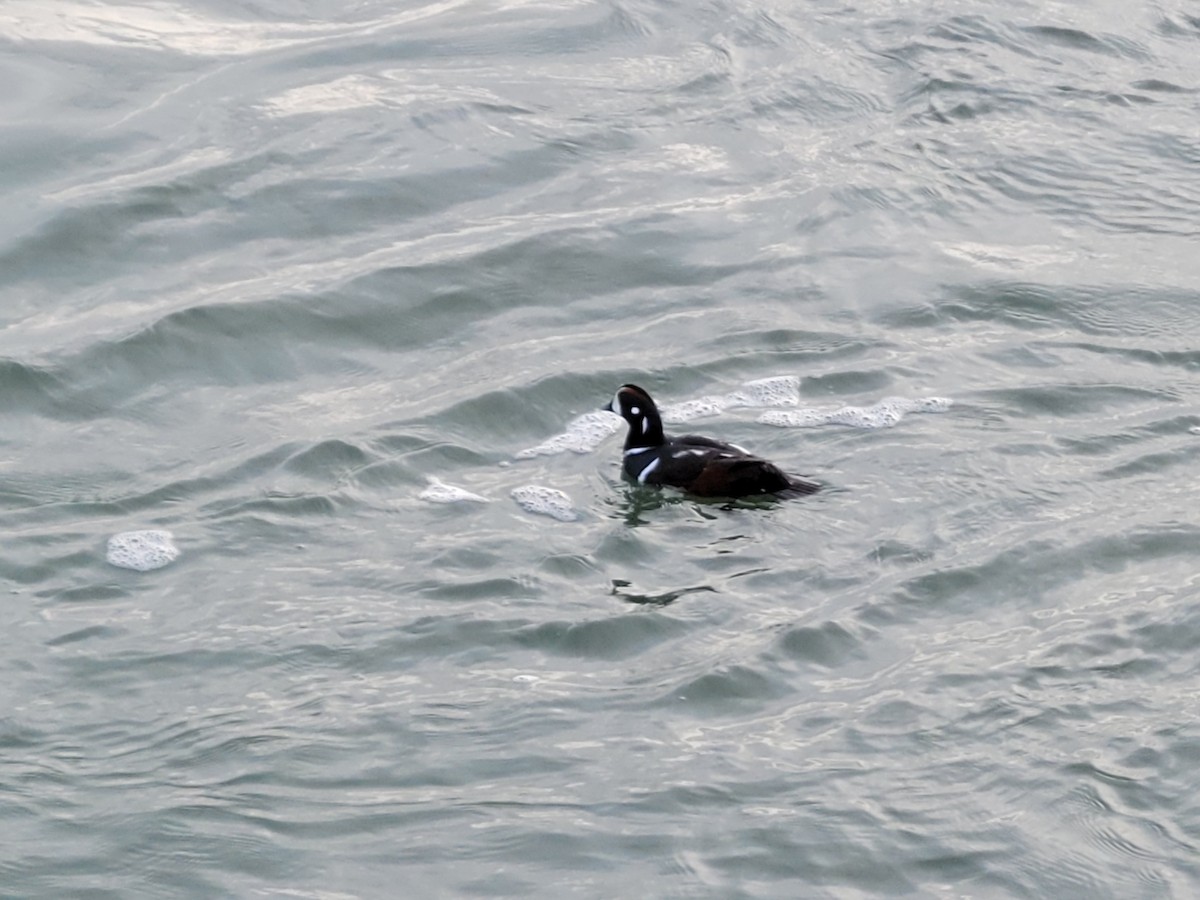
column 699, row 465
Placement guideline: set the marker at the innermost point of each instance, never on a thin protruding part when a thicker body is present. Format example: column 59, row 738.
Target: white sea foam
column 141, row 550
column 782, row 390
column 884, row 414
column 545, row 501
column 583, row 435
column 440, row 492
column 700, row 408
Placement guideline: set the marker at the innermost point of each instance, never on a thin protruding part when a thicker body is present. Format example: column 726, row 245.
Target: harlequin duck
column 698, row 465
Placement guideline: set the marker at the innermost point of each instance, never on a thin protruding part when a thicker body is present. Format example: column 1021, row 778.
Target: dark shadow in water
column 638, row 500
column 664, row 599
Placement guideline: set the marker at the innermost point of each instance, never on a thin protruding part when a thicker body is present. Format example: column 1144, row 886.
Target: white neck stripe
column 650, row 467
column 633, row 451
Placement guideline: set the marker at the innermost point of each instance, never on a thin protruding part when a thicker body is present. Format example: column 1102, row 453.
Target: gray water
column 268, row 267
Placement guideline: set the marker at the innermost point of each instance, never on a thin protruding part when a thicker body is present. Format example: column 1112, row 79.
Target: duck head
column 636, row 407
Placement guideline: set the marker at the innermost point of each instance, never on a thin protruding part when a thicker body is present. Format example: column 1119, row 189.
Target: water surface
column 267, row 268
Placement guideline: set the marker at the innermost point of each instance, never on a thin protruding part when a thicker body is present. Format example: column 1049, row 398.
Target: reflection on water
column 664, row 599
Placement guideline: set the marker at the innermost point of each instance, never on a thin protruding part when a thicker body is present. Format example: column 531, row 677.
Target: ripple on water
column 615, row 637
column 726, row 690
column 828, row 645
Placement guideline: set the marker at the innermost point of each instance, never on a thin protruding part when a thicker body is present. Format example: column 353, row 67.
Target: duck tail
column 798, row 487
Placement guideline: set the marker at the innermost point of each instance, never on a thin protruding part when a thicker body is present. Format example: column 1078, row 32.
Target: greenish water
column 267, row 269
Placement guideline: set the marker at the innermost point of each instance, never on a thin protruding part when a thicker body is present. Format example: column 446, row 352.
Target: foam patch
column 583, row 435
column 782, row 390
column 440, row 492
column 884, row 414
column 545, row 501
column 676, row 413
column 141, row 550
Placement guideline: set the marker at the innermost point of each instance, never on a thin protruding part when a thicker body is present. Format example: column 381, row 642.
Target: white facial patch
column 645, row 424
column 645, row 473
column 616, row 404
column 635, row 411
